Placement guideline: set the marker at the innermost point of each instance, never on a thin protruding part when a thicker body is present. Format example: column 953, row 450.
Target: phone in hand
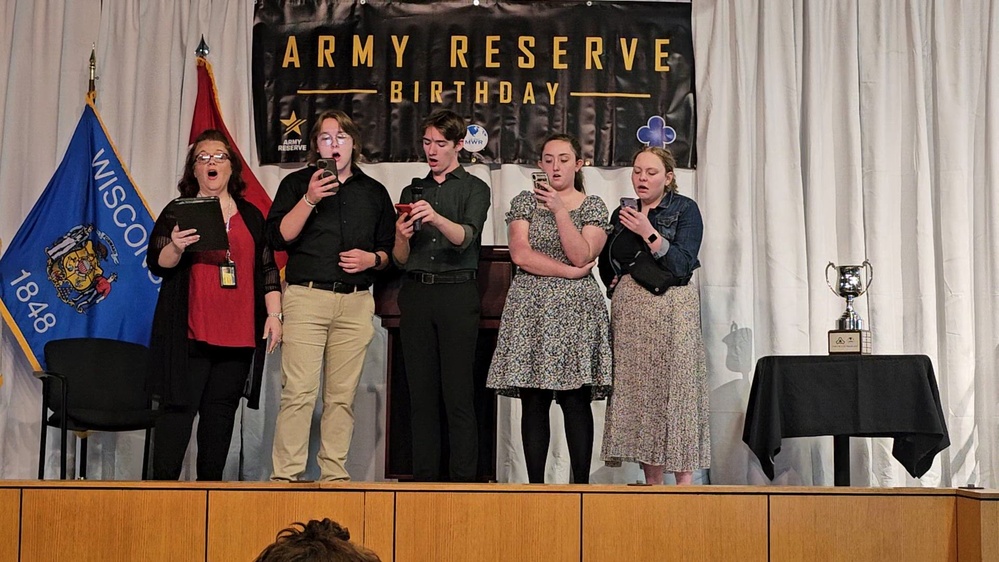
column 629, row 202
column 404, row 208
column 540, row 180
column 328, row 167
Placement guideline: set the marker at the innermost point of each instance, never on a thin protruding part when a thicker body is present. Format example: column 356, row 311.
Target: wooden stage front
column 131, row 521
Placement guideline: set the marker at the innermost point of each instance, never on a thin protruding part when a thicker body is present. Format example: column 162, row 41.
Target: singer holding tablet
column 218, row 311
column 438, row 243
column 336, row 223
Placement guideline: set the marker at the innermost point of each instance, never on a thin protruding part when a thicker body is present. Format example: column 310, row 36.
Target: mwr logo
column 476, row 138
column 74, row 266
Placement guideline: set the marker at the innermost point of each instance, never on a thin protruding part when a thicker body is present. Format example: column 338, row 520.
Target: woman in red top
column 218, row 311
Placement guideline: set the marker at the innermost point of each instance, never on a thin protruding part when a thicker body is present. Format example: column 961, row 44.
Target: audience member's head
column 315, row 541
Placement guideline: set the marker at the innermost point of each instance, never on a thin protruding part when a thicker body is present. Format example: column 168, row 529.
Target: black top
column 360, row 215
column 168, row 348
column 463, row 199
column 856, row 395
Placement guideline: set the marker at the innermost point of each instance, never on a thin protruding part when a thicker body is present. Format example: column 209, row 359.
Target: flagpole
column 92, row 89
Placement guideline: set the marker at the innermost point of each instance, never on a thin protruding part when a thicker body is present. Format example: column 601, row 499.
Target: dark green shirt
column 462, row 199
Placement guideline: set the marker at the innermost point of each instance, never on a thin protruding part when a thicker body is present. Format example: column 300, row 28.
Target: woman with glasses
column 338, row 226
column 218, row 312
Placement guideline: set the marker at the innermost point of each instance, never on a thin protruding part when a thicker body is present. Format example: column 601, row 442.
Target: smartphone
column 404, row 208
column 631, row 202
column 538, row 178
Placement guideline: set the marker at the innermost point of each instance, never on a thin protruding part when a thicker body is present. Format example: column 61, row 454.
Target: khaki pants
column 320, row 325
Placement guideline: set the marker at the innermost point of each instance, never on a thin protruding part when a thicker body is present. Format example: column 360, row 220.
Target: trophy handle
column 870, row 275
column 828, row 284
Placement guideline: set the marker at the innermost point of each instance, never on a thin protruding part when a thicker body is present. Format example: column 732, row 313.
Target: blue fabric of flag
column 77, row 265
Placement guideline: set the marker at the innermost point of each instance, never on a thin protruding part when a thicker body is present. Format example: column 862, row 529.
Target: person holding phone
column 658, row 415
column 337, row 225
column 439, row 300
column 218, row 312
column 554, row 338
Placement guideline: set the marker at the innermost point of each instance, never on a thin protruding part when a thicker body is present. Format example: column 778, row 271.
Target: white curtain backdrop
column 828, row 131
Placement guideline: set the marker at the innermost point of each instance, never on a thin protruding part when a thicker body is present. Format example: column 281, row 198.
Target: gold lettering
column 436, row 87
column 482, row 92
column 492, row 50
column 552, row 89
column 327, row 44
column 395, row 91
column 364, row 53
column 416, row 91
column 529, row 93
column 291, row 53
column 661, row 55
column 400, row 48
column 505, row 91
column 628, row 54
column 594, row 48
column 457, row 89
column 558, row 51
column 526, row 43
column 459, row 46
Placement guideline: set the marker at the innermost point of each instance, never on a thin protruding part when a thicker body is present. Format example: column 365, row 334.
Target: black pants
column 439, row 326
column 216, row 376
column 535, row 429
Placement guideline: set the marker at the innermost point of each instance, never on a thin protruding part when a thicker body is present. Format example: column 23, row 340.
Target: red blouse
column 223, row 316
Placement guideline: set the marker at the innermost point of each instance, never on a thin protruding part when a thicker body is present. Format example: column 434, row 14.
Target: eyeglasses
column 205, row 158
column 326, row 139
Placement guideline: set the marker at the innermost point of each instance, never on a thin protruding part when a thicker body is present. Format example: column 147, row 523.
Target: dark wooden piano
column 494, row 276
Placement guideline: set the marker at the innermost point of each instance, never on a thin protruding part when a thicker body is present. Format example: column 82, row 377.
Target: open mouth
column 212, row 174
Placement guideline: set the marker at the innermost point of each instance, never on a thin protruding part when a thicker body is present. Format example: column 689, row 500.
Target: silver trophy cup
column 850, row 286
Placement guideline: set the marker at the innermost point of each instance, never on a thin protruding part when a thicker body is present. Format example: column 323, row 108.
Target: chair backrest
column 102, row 374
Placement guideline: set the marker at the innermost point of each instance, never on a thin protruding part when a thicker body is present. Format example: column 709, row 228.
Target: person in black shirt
column 337, row 231
column 439, row 302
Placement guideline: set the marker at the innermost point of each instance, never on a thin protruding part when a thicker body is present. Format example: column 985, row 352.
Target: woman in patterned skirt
column 554, row 335
column 658, row 415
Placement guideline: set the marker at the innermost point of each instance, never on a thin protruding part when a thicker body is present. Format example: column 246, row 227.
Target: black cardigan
column 168, row 347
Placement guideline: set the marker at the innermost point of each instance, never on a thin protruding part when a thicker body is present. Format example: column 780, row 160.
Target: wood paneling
column 10, row 524
column 242, row 523
column 688, row 527
column 969, row 530
column 484, row 526
column 98, row 525
column 379, row 524
column 863, row 527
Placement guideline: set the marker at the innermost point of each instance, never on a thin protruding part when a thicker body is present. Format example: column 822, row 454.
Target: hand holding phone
column 404, row 208
column 540, row 180
column 629, row 202
column 328, row 167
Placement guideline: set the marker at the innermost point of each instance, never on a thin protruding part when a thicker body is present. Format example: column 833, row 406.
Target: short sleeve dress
column 555, row 332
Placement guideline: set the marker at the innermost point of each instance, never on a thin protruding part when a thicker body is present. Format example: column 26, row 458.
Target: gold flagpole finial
column 202, row 50
column 92, row 90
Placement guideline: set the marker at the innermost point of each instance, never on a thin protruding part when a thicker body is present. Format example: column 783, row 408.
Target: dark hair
column 449, row 123
column 577, row 180
column 315, row 541
column 347, row 125
column 668, row 162
column 188, row 184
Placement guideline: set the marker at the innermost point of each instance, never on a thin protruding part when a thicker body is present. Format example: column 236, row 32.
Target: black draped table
column 847, row 396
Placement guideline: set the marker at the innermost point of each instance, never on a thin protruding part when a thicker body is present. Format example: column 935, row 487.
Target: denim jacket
column 677, row 219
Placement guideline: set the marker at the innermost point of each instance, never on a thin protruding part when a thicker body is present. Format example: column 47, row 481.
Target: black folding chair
column 94, row 384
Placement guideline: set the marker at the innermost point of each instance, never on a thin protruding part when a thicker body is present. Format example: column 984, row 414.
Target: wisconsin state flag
column 208, row 116
column 77, row 265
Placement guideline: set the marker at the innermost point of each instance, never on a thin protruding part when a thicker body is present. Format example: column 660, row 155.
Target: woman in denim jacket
column 658, row 413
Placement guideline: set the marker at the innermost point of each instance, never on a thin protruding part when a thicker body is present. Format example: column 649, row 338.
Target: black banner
column 614, row 74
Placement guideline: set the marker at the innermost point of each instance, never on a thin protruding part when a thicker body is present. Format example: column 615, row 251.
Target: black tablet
column 204, row 214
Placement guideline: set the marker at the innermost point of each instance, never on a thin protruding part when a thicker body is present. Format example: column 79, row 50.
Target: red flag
column 208, row 116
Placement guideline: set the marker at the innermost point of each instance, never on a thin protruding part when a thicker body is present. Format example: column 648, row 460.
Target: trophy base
column 850, row 342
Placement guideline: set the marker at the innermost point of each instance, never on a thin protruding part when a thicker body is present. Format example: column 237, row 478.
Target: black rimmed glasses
column 205, row 158
column 326, row 139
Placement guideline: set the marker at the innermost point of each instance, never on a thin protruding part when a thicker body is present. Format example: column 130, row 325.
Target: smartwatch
column 653, row 237
column 378, row 259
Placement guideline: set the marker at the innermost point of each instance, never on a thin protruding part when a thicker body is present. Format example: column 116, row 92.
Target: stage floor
column 403, row 522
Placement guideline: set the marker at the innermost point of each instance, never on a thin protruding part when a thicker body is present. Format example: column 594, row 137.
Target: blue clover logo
column 656, row 132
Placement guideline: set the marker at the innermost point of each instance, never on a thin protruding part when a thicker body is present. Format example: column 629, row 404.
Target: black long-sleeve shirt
column 360, row 215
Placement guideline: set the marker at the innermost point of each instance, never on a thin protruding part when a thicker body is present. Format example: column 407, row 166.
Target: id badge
column 227, row 274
